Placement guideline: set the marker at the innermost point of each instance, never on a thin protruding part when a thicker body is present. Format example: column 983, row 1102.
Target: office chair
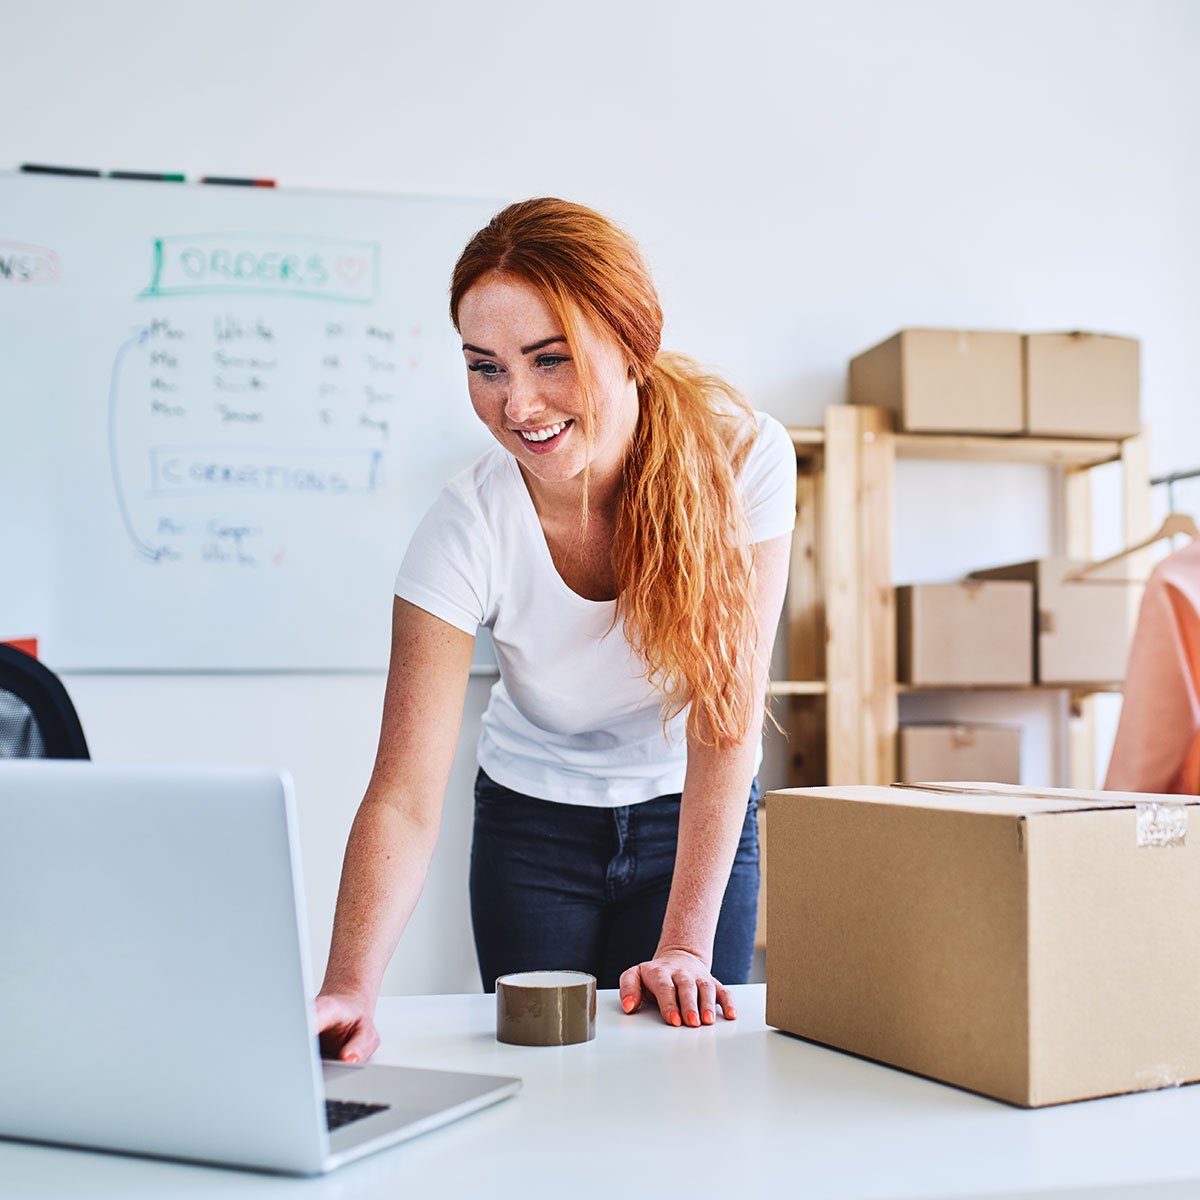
column 37, row 718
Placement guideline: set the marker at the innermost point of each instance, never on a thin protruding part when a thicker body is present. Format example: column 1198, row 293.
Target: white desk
column 735, row 1110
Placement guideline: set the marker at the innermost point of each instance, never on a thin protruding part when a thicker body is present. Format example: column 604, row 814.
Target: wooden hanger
column 1176, row 523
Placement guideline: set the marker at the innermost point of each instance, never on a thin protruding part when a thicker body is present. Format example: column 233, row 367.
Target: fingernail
column 627, row 1003
column 693, row 1020
column 674, row 1019
column 351, row 1058
column 730, row 1015
column 708, row 1016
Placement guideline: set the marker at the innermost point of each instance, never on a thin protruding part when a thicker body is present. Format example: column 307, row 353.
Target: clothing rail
column 1171, row 479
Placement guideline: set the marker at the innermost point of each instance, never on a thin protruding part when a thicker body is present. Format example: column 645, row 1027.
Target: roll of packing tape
column 545, row 1008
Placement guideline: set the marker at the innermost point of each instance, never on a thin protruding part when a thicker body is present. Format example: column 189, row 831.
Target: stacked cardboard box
column 936, row 751
column 1041, row 384
column 1032, row 946
column 1080, row 626
column 972, row 632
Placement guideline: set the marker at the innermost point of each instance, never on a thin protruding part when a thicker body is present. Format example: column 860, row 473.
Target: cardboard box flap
column 997, row 799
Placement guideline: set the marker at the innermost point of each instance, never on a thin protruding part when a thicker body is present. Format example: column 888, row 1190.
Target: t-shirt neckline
column 539, row 534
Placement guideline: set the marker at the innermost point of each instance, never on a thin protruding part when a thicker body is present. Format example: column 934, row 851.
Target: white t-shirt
column 572, row 717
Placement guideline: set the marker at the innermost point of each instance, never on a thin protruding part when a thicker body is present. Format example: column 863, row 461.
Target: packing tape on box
column 1162, row 822
column 545, row 1008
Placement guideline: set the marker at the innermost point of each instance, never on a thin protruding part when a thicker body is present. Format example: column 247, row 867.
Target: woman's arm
column 711, row 816
column 395, row 830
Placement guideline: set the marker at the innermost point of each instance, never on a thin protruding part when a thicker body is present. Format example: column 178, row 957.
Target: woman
column 627, row 543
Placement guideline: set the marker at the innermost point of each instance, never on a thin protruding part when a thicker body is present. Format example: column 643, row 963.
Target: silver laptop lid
column 156, row 986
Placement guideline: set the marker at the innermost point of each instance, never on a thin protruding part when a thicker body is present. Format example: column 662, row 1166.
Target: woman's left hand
column 684, row 987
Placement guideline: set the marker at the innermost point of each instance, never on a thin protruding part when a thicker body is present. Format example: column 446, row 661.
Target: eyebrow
column 550, row 341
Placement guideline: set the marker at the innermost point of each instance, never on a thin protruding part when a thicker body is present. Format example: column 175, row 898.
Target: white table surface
column 735, row 1109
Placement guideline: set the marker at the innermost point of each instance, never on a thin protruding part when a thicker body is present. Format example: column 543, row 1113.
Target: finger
column 362, row 1045
column 663, row 987
column 685, row 989
column 706, row 994
column 631, row 989
column 725, row 1000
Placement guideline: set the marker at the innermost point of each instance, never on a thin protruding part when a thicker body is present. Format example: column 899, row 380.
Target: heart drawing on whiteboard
column 351, row 267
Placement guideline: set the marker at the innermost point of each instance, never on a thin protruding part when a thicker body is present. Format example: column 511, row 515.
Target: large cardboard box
column 1033, row 946
column 1082, row 627
column 944, row 380
column 969, row 632
column 941, row 751
column 1081, row 385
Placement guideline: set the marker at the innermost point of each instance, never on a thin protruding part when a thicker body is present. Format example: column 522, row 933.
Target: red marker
column 229, row 181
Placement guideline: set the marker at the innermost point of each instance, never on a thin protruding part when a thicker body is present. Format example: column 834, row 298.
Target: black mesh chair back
column 37, row 718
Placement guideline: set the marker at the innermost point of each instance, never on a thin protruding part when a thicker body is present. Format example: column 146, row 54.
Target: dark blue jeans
column 571, row 887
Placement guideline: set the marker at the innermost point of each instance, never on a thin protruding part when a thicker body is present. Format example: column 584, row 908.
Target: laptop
column 157, row 997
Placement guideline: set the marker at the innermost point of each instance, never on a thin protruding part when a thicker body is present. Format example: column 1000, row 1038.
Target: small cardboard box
column 1033, row 946
column 1083, row 627
column 969, row 632
column 1081, row 385
column 944, row 380
column 933, row 751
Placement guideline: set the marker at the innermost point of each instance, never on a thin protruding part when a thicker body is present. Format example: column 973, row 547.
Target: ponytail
column 681, row 550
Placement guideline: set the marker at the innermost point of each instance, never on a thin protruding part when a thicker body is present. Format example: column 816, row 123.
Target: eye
column 551, row 360
column 487, row 369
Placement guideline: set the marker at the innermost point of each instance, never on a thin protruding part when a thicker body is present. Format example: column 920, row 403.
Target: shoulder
column 767, row 480
column 771, row 451
column 477, row 492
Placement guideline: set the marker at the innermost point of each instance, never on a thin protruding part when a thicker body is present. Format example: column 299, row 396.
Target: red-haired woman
column 627, row 543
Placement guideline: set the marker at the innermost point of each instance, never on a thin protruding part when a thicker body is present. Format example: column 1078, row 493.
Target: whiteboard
column 224, row 411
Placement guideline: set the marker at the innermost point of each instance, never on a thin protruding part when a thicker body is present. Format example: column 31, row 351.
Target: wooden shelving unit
column 840, row 613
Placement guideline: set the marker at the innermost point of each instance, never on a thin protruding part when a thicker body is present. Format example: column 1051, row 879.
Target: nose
column 523, row 401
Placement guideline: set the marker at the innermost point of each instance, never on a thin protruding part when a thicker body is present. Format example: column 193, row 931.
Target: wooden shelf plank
column 806, row 437
column 1082, row 689
column 797, row 687
column 1050, row 452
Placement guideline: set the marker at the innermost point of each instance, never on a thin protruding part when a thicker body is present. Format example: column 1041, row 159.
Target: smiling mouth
column 545, row 437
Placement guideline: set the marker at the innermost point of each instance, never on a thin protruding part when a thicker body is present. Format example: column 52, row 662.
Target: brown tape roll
column 545, row 1008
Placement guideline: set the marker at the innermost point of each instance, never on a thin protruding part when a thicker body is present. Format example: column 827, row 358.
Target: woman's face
column 525, row 387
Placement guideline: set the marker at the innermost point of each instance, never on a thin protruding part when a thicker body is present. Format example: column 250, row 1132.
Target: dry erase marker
column 149, row 176
column 43, row 169
column 229, row 181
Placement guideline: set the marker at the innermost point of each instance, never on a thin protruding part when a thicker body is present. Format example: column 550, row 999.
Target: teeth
column 542, row 435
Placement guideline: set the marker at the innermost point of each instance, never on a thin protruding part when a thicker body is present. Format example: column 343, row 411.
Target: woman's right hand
column 346, row 1024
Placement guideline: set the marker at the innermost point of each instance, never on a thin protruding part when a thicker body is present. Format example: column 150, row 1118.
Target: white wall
column 805, row 179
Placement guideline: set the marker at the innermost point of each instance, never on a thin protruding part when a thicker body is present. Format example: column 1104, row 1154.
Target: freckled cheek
column 488, row 402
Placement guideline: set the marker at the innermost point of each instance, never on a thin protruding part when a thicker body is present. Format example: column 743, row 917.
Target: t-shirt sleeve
column 447, row 568
column 768, row 482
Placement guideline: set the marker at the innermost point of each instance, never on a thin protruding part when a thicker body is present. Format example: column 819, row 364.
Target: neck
column 564, row 501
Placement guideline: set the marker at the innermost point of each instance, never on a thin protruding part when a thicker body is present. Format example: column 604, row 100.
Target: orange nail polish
column 351, row 1058
column 693, row 1019
column 730, row 1015
column 627, row 1003
column 674, row 1019
column 708, row 1016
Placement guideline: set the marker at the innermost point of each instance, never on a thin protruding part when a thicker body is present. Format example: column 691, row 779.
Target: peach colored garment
column 1157, row 747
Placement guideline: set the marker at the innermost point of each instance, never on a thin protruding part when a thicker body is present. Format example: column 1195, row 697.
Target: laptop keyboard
column 343, row 1112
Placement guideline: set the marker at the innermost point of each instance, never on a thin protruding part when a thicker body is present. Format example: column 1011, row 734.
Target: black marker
column 41, row 169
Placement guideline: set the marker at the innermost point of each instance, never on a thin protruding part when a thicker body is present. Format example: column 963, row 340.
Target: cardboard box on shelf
column 1032, row 946
column 945, row 751
column 1083, row 627
column 965, row 633
column 944, row 380
column 1081, row 385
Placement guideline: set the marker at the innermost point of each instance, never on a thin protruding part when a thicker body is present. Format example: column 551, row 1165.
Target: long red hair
column 681, row 553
